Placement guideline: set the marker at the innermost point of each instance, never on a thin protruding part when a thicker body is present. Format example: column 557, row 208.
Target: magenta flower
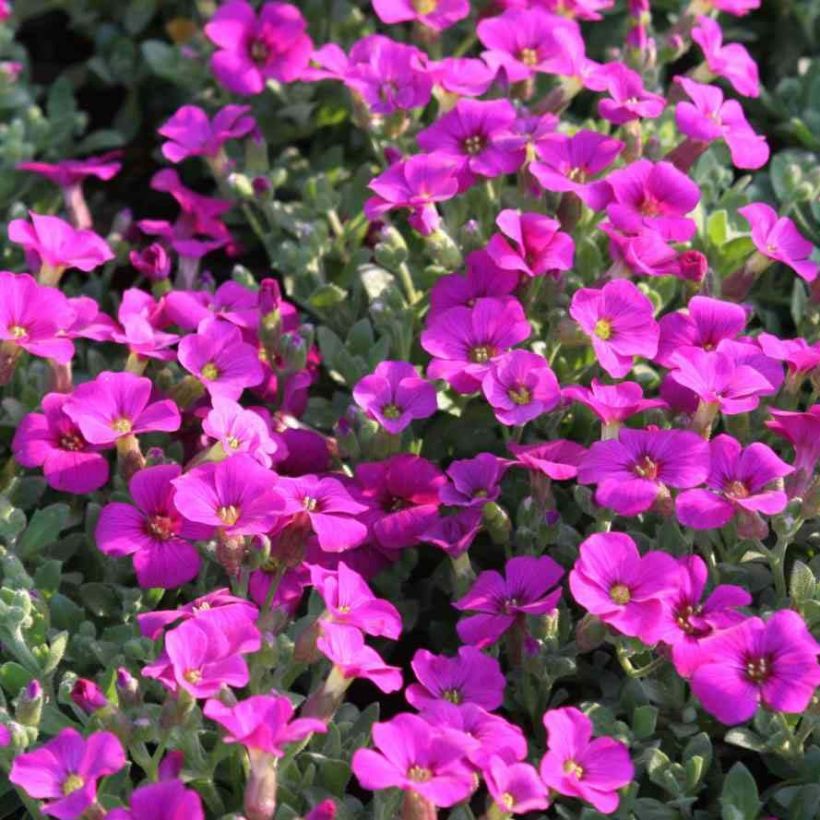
column 70, row 172
column 737, row 7
column 328, row 508
column 52, row 246
column 454, row 533
column 139, row 316
column 152, row 261
column 515, row 787
column 87, row 696
column 190, row 133
column 116, row 405
column 802, row 430
column 464, row 76
column 64, row 772
column 241, row 431
column 477, row 136
column 619, row 321
column 469, row 677
column 417, row 184
column 731, row 61
column 153, row 532
column 558, row 459
column 655, row 196
column 772, row 662
column 349, row 600
column 415, row 756
column 526, row 588
column 739, row 480
column 230, row 301
column 779, row 239
column 220, row 359
column 433, row 14
column 567, row 164
column 625, row 590
column 628, row 99
column 538, row 246
column 688, row 621
column 463, row 341
column 708, row 118
column 578, row 766
column 166, row 800
column 637, row 468
column 254, row 49
column 403, row 492
column 262, row 722
column 484, row 278
column 473, row 481
column 705, row 323
column 801, row 357
column 520, row 386
column 237, row 495
column 612, row 403
column 394, row 394
column 345, row 648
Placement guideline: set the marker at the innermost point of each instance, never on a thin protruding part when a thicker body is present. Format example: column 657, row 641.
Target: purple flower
column 153, row 532
column 520, row 386
column 64, row 772
column 558, row 459
column 515, row 787
column 394, row 394
column 731, row 61
column 71, row 172
column 254, row 49
column 241, row 431
column 220, row 359
column 345, row 648
column 433, row 14
column 115, row 405
column 464, row 76
column 802, row 430
column 619, row 321
column 230, row 301
column 578, row 766
column 772, row 662
column 538, row 246
column 191, row 134
column 628, row 99
column 470, row 677
column 524, row 589
column 625, row 590
column 166, row 800
column 612, row 403
column 463, row 341
column 708, row 118
column 152, row 262
column 484, row 278
column 779, row 239
column 415, row 756
column 802, row 358
column 737, row 7
column 416, row 183
column 454, row 533
column 87, row 696
column 637, row 468
column 477, row 136
column 473, row 481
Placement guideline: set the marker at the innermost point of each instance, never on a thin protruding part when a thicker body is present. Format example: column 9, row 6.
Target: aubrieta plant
column 430, row 431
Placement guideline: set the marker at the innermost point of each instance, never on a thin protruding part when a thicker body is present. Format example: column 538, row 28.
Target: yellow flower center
column 160, row 527
column 481, row 354
column 474, row 145
column 121, row 425
column 233, row 442
column 737, row 489
column 229, row 514
column 573, row 769
column 603, row 329
column 620, row 594
column 17, row 331
column 72, row 783
column 424, row 6
column 72, row 442
column 508, row 801
column 528, row 56
column 310, row 503
column 646, row 468
column 210, row 372
column 391, row 411
column 520, row 395
column 192, row 675
column 758, row 670
column 452, row 695
column 419, row 774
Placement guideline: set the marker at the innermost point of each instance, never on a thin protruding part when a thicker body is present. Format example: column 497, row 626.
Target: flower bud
column 87, row 696
column 443, row 250
column 590, row 633
column 693, row 266
column 152, row 262
column 127, row 687
column 29, row 704
column 497, row 522
column 260, row 789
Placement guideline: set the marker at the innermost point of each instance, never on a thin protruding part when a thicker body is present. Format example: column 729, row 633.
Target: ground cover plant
column 409, row 409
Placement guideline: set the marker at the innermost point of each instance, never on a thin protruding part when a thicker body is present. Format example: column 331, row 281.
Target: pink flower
column 578, row 766
column 520, row 386
column 779, row 239
column 52, row 441
column 738, row 481
column 772, row 662
column 708, row 118
column 115, row 405
column 484, row 278
column 802, row 430
column 52, row 246
column 152, row 262
column 191, row 134
column 345, row 648
column 254, row 49
column 515, row 787
column 731, row 61
column 619, row 322
column 238, row 430
column 625, row 590
column 538, row 246
column 153, row 532
column 219, row 358
column 470, row 677
column 465, row 76
column 64, row 772
column 394, row 394
column 802, row 358
column 739, row 8
column 262, row 722
column 454, row 533
column 637, row 468
column 415, row 756
column 237, row 495
column 476, row 135
column 655, row 196
column 579, row 9
column 558, row 459
column 434, row 14
column 417, row 184
column 628, row 99
column 87, row 696
column 166, row 800
column 349, row 600
column 567, row 163
column 463, row 341
column 612, row 403
column 139, row 317
column 69, row 172
column 230, row 301
column 473, row 481
column 526, row 588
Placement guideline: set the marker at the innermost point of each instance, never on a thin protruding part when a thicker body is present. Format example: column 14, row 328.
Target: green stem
column 406, row 280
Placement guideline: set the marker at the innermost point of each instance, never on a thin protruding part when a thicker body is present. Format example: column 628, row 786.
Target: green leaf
column 43, row 529
column 327, row 296
column 802, row 583
column 644, row 720
column 14, row 677
column 739, row 798
column 138, row 15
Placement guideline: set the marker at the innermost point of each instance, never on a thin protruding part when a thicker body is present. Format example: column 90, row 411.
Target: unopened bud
column 29, row 704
